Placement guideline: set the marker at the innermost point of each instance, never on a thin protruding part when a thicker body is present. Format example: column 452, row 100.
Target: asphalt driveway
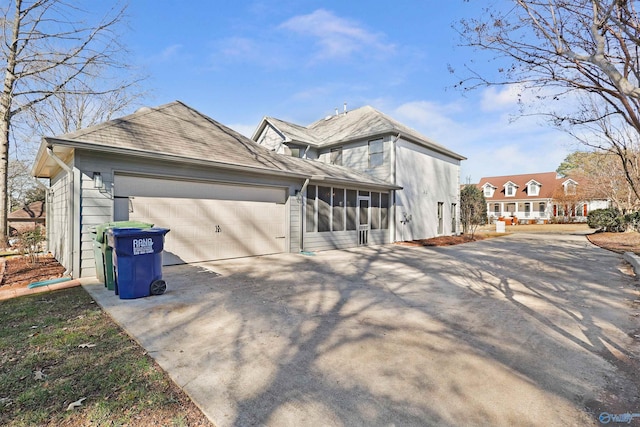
column 519, row 330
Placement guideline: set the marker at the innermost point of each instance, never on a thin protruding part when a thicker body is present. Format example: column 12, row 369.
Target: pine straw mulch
column 444, row 240
column 617, row 242
column 19, row 272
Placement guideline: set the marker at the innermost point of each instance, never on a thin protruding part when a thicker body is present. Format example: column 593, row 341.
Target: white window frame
column 488, row 190
column 570, row 187
column 375, row 153
column 335, row 156
column 534, row 189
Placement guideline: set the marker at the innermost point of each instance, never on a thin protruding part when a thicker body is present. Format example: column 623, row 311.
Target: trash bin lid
column 101, row 229
column 136, row 241
column 133, row 231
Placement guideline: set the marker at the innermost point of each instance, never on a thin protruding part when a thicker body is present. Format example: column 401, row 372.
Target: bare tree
column 20, row 182
column 51, row 50
column 574, row 54
column 600, row 176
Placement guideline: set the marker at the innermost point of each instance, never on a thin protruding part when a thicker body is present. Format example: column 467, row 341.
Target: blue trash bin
column 137, row 261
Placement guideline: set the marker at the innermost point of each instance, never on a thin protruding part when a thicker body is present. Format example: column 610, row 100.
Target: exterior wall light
column 97, row 180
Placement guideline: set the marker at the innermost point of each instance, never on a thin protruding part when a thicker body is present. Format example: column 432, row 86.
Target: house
column 427, row 174
column 537, row 197
column 221, row 194
column 27, row 218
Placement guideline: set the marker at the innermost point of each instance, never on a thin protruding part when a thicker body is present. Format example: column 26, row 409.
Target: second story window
column 489, row 190
column 533, row 188
column 336, row 156
column 376, row 153
column 510, row 191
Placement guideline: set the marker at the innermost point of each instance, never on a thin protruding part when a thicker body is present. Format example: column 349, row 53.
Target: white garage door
column 207, row 221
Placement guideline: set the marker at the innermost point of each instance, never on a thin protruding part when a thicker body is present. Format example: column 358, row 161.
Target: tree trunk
column 5, row 121
column 4, row 168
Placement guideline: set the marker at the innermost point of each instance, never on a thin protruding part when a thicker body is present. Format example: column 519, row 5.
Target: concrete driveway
column 520, row 330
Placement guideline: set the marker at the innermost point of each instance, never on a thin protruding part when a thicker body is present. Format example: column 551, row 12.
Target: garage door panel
column 143, row 186
column 213, row 229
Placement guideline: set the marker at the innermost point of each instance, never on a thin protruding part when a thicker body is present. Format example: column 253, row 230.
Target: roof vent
column 327, row 118
column 143, row 110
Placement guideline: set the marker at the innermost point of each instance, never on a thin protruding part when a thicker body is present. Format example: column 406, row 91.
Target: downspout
column 69, row 172
column 393, row 181
column 302, row 218
column 48, row 195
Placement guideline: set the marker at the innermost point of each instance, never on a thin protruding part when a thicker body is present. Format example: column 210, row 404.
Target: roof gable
column 361, row 123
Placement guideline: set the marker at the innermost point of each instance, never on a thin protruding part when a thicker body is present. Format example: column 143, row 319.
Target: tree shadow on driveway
column 514, row 331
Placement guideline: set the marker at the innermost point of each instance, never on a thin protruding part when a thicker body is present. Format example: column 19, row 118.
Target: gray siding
column 355, row 155
column 96, row 208
column 270, row 138
column 427, row 178
column 58, row 219
column 294, row 224
column 314, row 242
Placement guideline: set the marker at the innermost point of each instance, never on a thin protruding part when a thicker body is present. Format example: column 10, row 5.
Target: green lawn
column 57, row 348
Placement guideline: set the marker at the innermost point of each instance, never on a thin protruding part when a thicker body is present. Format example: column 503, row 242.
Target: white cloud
column 238, row 47
column 428, row 114
column 336, row 37
column 496, row 99
column 493, row 143
column 169, row 53
column 244, row 129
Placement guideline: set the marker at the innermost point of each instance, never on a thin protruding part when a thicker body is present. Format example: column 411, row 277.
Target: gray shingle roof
column 177, row 131
column 293, row 132
column 363, row 122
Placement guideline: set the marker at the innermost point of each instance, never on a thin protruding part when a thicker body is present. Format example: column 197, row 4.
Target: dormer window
column 510, row 189
column 488, row 190
column 533, row 188
column 570, row 187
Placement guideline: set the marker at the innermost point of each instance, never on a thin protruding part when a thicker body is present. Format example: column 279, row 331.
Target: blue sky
column 298, row 60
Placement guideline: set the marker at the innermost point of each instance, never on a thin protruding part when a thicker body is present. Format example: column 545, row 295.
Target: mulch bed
column 443, row 240
column 19, row 272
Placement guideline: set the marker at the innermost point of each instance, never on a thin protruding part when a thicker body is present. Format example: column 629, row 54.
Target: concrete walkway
column 522, row 330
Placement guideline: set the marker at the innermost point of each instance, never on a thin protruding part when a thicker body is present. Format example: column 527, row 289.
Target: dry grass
column 537, row 228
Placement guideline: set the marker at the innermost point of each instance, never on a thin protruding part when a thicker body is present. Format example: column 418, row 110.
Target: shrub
column 30, row 243
column 633, row 220
column 607, row 220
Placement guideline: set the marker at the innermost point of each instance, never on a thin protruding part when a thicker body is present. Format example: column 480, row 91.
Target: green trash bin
column 107, row 251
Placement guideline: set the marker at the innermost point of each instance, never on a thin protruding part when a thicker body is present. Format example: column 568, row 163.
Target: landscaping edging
column 634, row 260
column 14, row 293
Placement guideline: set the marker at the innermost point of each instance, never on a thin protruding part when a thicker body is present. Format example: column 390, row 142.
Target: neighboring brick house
column 536, row 197
column 27, row 218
